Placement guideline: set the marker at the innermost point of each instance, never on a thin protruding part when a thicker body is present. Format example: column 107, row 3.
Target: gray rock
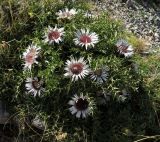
column 38, row 123
column 156, row 35
column 4, row 114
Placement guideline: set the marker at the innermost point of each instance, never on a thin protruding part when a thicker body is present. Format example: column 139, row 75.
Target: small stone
column 136, row 27
column 157, row 40
column 128, row 26
column 38, row 123
column 156, row 35
column 145, row 53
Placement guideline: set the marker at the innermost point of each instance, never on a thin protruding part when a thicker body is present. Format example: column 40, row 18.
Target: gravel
column 142, row 20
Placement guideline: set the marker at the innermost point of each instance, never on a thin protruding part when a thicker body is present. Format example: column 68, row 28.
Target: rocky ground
column 142, row 19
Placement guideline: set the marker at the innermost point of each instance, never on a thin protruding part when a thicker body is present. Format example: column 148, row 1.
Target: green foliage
column 25, row 22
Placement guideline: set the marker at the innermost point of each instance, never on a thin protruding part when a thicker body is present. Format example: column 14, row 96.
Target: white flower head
column 34, row 86
column 100, row 75
column 66, row 13
column 90, row 15
column 81, row 106
column 85, row 38
column 124, row 48
column 76, row 68
column 53, row 35
column 30, row 56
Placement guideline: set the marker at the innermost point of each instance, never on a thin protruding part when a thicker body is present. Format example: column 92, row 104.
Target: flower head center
column 36, row 84
column 81, row 104
column 77, row 68
column 53, row 35
column 123, row 49
column 29, row 58
column 67, row 14
column 98, row 72
column 85, row 39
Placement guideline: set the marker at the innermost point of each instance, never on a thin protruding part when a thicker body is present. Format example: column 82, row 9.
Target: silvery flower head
column 34, row 86
column 30, row 56
column 66, row 13
column 53, row 35
column 100, row 75
column 85, row 38
column 124, row 48
column 81, row 105
column 76, row 68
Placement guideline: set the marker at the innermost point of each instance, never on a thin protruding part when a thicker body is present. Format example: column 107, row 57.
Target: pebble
column 38, row 123
column 142, row 20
